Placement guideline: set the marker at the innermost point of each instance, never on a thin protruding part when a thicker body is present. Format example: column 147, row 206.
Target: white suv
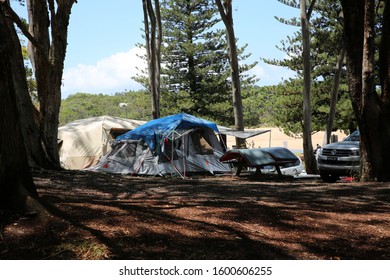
column 339, row 159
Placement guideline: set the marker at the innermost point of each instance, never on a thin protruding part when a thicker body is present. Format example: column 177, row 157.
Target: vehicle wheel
column 329, row 178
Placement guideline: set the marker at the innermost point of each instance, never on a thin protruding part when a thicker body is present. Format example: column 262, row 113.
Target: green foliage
column 258, row 105
column 195, row 63
column 31, row 82
column 84, row 249
column 293, row 22
column 286, row 110
column 291, row 3
column 263, row 106
column 84, row 105
column 285, row 107
column 326, row 44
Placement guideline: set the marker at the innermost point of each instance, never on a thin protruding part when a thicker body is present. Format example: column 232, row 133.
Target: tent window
column 201, row 142
column 167, row 153
column 128, row 150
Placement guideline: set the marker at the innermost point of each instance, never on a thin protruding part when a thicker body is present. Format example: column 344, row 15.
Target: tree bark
column 153, row 35
column 385, row 56
column 27, row 112
column 370, row 115
column 226, row 13
column 48, row 62
column 334, row 95
column 17, row 189
column 310, row 162
column 372, row 110
column 381, row 153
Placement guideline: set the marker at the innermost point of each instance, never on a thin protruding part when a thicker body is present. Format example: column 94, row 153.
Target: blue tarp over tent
column 158, row 127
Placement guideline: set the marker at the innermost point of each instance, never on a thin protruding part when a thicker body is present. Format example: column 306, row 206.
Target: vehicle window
column 354, row 136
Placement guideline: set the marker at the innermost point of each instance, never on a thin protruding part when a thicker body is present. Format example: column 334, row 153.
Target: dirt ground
column 101, row 216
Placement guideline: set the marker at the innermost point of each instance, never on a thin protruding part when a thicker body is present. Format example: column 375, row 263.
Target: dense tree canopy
column 84, row 105
column 257, row 106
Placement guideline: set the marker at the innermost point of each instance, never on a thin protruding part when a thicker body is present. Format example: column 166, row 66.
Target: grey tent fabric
column 177, row 150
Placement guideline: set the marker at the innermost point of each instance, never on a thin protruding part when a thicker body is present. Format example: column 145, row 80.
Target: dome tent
column 177, row 144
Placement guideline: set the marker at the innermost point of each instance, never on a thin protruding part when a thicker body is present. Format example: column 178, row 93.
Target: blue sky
column 102, row 37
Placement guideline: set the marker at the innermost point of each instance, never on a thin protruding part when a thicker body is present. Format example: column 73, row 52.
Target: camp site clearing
column 111, row 216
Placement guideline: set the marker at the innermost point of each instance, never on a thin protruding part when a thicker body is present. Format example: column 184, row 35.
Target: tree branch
column 311, row 8
column 222, row 11
column 290, row 3
column 9, row 12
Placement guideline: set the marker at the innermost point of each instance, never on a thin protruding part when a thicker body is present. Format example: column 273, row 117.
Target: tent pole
column 185, row 156
column 173, row 139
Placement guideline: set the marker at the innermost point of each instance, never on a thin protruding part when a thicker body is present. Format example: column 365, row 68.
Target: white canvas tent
column 83, row 142
column 179, row 144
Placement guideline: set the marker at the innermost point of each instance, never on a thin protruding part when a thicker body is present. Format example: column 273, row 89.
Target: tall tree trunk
column 226, row 13
column 372, row 110
column 153, row 35
column 158, row 53
column 385, row 55
column 369, row 97
column 379, row 148
column 334, row 95
column 35, row 153
column 47, row 56
column 17, row 189
column 310, row 163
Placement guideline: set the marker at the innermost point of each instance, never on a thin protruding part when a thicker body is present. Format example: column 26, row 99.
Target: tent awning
column 241, row 134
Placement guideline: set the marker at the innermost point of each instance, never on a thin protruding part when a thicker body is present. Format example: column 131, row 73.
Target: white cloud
column 108, row 75
column 113, row 74
column 259, row 72
column 270, row 74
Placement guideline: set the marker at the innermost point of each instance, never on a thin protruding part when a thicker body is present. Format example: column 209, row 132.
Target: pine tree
column 196, row 70
column 326, row 45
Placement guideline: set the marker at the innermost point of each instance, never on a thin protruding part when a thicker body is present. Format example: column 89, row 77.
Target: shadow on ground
column 101, row 216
